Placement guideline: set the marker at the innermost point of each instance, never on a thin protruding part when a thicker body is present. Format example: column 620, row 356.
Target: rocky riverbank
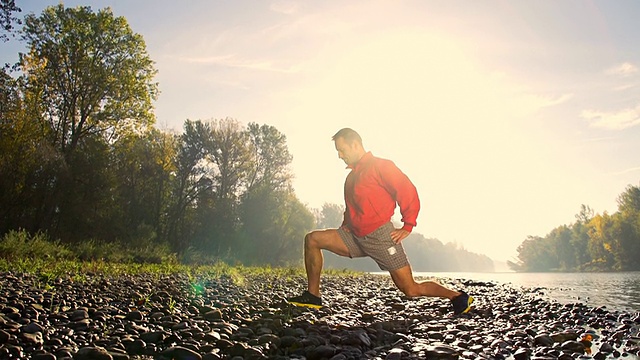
column 181, row 317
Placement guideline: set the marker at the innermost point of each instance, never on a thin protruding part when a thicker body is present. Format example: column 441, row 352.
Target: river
column 616, row 291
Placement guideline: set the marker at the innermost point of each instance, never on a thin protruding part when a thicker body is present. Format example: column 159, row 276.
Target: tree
column 331, row 216
column 580, row 243
column 629, row 201
column 213, row 161
column 273, row 220
column 190, row 178
column 27, row 161
column 585, row 215
column 90, row 73
column 600, row 243
column 271, row 158
column 229, row 155
column 229, row 158
column 88, row 79
column 580, row 235
column 626, row 227
column 140, row 169
column 274, row 225
column 560, row 243
column 536, row 254
column 7, row 18
column 625, row 244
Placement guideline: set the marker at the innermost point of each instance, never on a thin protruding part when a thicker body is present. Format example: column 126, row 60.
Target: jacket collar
column 364, row 159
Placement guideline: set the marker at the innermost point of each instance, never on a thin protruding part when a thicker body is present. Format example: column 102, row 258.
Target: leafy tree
column 191, row 177
column 580, row 243
column 27, row 161
column 87, row 81
column 274, row 226
column 625, row 243
column 559, row 241
column 8, row 9
column 273, row 220
column 593, row 242
column 90, row 73
column 159, row 154
column 629, row 201
column 626, row 227
column 601, row 238
column 140, row 167
column 9, row 95
column 331, row 216
column 535, row 254
column 229, row 157
column 580, row 235
column 81, row 212
column 271, row 158
column 232, row 186
column 585, row 215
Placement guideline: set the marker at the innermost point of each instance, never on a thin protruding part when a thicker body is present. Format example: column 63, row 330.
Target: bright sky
column 507, row 115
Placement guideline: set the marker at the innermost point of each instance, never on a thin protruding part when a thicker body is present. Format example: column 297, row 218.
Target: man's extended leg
column 314, row 243
column 403, row 278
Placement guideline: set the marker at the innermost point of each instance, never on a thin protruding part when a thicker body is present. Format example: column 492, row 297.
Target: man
column 371, row 191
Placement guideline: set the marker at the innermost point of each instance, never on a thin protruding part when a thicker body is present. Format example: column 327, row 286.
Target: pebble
column 161, row 317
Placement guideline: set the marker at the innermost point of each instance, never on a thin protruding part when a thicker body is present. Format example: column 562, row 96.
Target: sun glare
column 419, row 99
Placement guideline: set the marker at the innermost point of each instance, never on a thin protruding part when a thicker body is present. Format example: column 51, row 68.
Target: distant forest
column 81, row 159
column 424, row 254
column 595, row 242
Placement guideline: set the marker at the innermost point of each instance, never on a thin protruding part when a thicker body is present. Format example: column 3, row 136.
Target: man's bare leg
column 403, row 278
column 314, row 243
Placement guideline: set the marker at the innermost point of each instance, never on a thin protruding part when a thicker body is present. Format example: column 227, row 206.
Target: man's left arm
column 405, row 194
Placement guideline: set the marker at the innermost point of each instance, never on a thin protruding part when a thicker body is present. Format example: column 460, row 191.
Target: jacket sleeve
column 402, row 191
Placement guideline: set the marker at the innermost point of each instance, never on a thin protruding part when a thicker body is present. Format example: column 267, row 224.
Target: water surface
column 616, row 291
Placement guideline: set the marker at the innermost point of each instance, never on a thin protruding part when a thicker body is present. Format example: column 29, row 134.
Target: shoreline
column 151, row 316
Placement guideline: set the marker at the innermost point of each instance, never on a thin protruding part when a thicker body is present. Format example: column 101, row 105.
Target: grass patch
column 37, row 254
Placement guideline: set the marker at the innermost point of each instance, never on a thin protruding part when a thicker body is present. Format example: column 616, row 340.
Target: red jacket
column 371, row 191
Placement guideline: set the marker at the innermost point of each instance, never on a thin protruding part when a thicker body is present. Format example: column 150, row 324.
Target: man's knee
column 325, row 240
column 311, row 240
column 403, row 278
column 410, row 290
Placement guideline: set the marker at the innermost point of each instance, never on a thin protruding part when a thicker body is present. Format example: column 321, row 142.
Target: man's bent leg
column 314, row 243
column 403, row 278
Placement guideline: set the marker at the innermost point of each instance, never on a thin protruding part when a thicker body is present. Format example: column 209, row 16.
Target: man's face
column 348, row 152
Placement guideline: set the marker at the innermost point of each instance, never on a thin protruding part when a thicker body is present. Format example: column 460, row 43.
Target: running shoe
column 461, row 303
column 307, row 299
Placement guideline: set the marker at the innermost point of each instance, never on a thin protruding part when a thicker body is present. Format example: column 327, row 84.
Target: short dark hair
column 348, row 134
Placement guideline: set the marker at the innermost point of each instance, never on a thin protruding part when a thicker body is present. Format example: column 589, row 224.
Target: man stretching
column 371, row 191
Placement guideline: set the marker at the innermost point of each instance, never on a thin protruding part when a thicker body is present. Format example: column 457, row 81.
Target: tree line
column 594, row 242
column 81, row 159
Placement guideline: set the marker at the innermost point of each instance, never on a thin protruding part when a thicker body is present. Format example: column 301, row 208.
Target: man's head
column 349, row 146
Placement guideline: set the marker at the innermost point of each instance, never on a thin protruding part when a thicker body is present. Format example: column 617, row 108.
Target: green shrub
column 152, row 253
column 118, row 252
column 20, row 244
column 94, row 250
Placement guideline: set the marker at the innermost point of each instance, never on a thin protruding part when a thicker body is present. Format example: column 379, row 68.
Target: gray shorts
column 377, row 245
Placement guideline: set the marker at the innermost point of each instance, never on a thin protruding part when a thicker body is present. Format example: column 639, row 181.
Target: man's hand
column 398, row 235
